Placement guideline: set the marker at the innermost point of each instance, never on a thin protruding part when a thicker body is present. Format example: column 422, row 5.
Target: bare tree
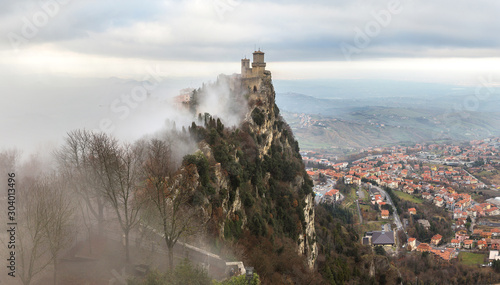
column 59, row 228
column 32, row 250
column 117, row 170
column 168, row 194
column 45, row 220
column 8, row 160
column 75, row 165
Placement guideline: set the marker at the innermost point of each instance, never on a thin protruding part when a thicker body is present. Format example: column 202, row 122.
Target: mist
column 44, row 114
column 224, row 99
column 41, row 109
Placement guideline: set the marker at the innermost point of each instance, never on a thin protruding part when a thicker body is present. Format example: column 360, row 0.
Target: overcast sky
column 302, row 39
column 42, row 42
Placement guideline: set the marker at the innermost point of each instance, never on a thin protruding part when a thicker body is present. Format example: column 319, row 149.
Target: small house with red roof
column 438, row 201
column 468, row 244
column 424, row 247
column 332, row 195
column 412, row 244
column 385, row 214
column 427, row 196
column 461, row 235
column 436, row 239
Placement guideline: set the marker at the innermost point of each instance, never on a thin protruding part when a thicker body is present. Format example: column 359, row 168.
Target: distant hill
column 359, row 123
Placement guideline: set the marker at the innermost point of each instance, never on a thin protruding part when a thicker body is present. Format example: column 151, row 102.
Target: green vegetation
column 239, row 280
column 342, row 259
column 365, row 207
column 367, row 196
column 496, row 265
column 395, row 199
column 469, row 258
column 272, row 187
column 184, row 273
column 258, row 117
column 408, row 197
column 379, row 250
column 373, row 226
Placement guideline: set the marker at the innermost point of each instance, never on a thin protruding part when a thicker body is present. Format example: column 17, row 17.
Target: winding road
column 399, row 225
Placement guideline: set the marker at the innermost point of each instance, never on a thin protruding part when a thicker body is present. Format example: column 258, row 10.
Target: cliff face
column 276, row 132
column 257, row 183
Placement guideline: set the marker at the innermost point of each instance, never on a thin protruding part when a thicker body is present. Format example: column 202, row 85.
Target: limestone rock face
column 264, row 100
column 252, row 203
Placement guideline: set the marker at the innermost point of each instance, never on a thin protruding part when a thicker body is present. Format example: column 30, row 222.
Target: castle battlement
column 252, row 76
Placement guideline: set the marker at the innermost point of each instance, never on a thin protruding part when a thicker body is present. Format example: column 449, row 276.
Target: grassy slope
column 408, row 197
column 470, row 258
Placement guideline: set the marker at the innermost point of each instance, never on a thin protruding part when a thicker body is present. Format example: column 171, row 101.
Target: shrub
column 239, row 280
column 184, row 273
column 258, row 117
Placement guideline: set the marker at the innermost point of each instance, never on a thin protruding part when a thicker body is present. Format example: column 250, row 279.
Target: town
column 435, row 198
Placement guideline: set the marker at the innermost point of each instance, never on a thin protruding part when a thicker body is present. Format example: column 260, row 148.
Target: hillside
column 255, row 189
column 355, row 123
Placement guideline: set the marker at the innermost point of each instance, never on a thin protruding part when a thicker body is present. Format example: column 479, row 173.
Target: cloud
column 290, row 30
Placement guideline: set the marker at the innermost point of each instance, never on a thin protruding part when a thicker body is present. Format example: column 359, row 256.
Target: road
column 322, row 189
column 399, row 225
column 359, row 212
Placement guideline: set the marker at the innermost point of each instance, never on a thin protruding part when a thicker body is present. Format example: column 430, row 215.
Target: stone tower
column 252, row 77
column 245, row 68
column 258, row 64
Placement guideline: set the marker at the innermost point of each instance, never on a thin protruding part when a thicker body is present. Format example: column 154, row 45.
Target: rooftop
column 382, row 238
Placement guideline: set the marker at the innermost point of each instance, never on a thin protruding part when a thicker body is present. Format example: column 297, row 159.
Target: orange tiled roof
column 424, row 247
column 444, row 254
column 437, row 237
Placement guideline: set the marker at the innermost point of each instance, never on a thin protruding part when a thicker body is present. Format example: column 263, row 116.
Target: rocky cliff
column 256, row 185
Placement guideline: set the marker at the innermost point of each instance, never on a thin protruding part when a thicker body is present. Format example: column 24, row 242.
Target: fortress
column 252, row 77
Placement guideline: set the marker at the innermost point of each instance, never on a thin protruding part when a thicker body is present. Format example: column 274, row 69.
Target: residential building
column 385, row 214
column 412, row 244
column 381, row 238
column 455, row 243
column 435, row 240
column 424, row 247
column 424, row 223
column 494, row 255
column 468, row 244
